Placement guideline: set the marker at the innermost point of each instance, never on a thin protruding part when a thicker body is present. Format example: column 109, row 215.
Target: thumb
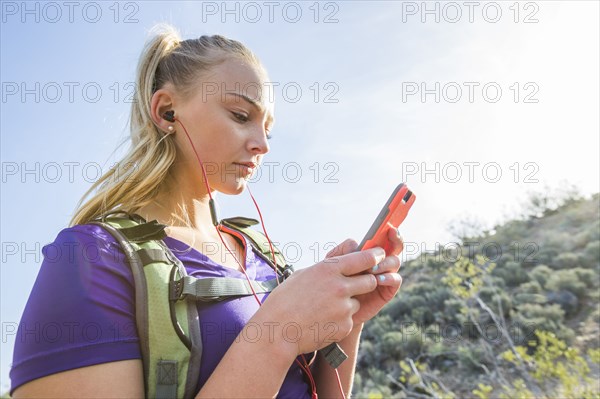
column 346, row 247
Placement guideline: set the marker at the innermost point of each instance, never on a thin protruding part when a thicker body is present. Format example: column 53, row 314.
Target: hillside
column 513, row 312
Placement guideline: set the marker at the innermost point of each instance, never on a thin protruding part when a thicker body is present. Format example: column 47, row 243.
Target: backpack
column 165, row 295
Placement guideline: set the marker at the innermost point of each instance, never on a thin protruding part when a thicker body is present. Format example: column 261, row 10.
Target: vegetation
column 514, row 313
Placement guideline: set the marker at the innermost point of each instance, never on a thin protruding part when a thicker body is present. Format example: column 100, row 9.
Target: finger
column 346, row 247
column 395, row 242
column 357, row 262
column 361, row 284
column 355, row 305
column 389, row 279
column 389, row 264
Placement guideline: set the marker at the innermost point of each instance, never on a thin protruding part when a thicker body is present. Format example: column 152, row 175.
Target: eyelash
column 243, row 118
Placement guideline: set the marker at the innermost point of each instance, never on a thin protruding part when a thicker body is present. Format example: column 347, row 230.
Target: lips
column 251, row 165
column 246, row 167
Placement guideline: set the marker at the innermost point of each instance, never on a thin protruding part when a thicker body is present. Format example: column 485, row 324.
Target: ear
column 163, row 100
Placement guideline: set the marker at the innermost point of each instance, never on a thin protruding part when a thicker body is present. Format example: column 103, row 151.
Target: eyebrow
column 256, row 104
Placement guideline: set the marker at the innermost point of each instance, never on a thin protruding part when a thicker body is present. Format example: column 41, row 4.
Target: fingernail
column 381, row 277
column 375, row 268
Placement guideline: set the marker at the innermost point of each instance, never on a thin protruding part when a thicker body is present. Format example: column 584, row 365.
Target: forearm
column 251, row 369
column 326, row 380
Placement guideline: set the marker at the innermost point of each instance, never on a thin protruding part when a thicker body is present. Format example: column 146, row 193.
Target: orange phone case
column 393, row 213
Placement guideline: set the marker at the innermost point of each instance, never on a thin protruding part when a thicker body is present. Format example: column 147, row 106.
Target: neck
column 177, row 202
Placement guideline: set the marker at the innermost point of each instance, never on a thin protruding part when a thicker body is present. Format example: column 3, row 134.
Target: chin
column 234, row 188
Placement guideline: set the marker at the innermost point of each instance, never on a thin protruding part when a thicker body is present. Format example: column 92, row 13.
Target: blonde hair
column 136, row 179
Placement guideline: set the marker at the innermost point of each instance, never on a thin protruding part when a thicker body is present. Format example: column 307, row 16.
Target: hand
column 388, row 279
column 317, row 305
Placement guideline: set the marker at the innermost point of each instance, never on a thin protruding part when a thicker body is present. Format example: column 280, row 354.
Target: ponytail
column 137, row 179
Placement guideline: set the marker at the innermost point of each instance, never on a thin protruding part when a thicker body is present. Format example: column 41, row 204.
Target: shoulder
column 84, row 265
column 77, row 241
column 86, row 251
column 81, row 309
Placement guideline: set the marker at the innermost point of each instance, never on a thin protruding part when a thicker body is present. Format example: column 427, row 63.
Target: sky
column 473, row 104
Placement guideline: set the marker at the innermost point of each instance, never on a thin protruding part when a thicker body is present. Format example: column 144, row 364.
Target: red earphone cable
column 304, row 366
column 262, row 224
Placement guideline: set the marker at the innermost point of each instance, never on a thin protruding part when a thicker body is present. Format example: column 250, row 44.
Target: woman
column 200, row 99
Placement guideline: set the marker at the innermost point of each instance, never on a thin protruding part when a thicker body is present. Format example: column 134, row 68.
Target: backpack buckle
column 176, row 290
column 287, row 271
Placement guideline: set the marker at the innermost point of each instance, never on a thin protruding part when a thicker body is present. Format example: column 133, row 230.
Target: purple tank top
column 81, row 309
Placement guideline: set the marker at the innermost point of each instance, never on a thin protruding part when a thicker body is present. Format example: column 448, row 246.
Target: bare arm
column 248, row 369
column 252, row 368
column 123, row 379
column 327, row 386
column 388, row 284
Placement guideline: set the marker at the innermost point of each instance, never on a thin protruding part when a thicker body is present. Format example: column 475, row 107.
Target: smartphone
column 391, row 215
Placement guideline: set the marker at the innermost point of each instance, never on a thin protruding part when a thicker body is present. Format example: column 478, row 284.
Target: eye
column 240, row 117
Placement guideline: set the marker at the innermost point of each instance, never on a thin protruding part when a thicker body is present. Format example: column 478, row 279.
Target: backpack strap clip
column 214, row 289
column 176, row 290
column 287, row 271
column 145, row 232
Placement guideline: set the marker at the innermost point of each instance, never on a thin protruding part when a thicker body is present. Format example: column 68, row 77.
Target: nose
column 258, row 143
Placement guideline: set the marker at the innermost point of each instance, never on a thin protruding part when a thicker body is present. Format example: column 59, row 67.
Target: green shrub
column 534, row 311
column 541, row 274
column 592, row 250
column 436, row 264
column 512, row 273
column 422, row 315
column 375, row 384
column 367, row 353
column 589, row 277
column 566, row 300
column 409, row 341
column 581, row 239
column 437, row 296
column 557, row 240
column 454, row 311
column 397, row 308
column 546, row 318
column 356, row 387
column 413, row 343
column 591, row 255
column 531, row 287
column 472, row 357
column 491, row 296
column 378, row 326
column 563, row 281
column 566, row 260
column 530, row 292
column 566, row 280
column 559, row 368
column 392, row 344
column 547, row 255
column 415, row 300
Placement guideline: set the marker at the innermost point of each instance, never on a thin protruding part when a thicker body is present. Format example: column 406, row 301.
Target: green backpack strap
column 333, row 354
column 169, row 331
column 212, row 289
column 259, row 242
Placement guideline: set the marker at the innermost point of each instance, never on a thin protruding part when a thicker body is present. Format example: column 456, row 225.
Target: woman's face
column 228, row 119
